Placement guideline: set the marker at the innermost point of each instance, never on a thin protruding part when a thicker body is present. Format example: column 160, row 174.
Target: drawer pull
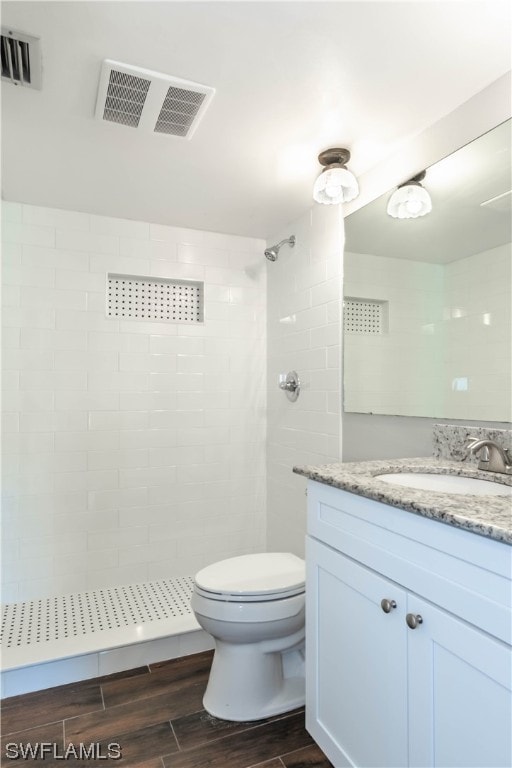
column 387, row 605
column 413, row 621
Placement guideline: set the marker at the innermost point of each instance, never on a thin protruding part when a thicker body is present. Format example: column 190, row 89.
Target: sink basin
column 447, row 483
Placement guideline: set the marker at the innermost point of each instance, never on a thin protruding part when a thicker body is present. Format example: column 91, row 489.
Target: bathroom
column 139, row 451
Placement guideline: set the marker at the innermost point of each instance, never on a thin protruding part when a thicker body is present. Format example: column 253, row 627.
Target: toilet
column 254, row 608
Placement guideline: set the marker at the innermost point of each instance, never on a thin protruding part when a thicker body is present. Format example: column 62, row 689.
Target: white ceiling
column 291, row 79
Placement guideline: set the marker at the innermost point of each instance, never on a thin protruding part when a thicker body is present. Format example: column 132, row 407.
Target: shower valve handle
column 290, row 385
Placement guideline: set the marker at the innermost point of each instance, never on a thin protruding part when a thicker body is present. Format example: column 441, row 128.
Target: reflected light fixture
column 336, row 184
column 410, row 200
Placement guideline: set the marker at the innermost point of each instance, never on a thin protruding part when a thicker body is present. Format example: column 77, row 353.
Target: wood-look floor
column 155, row 714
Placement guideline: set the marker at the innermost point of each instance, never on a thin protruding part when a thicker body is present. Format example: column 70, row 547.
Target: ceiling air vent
column 125, row 98
column 150, row 101
column 21, row 58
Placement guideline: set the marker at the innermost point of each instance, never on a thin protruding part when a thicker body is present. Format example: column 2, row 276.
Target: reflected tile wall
column 448, row 352
column 478, row 336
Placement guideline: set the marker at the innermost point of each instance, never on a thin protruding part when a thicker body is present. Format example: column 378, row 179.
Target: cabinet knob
column 387, row 605
column 413, row 621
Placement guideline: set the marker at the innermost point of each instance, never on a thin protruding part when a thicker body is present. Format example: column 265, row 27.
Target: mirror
column 427, row 300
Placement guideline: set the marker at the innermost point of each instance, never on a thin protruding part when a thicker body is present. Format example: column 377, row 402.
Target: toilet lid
column 262, row 574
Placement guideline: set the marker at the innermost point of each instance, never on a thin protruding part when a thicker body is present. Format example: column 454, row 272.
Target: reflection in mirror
column 427, row 307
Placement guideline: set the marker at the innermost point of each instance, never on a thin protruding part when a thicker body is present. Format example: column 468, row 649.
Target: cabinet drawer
column 467, row 574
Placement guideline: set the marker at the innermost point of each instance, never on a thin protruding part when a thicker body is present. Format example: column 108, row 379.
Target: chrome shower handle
column 290, row 385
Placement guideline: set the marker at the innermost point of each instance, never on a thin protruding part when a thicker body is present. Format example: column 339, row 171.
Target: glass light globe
column 334, row 190
column 335, row 185
column 409, row 201
column 413, row 207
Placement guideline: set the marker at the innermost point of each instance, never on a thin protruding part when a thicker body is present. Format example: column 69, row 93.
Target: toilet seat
column 252, row 578
column 237, row 597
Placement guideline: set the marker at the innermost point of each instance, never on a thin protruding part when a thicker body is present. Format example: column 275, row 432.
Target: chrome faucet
column 493, row 457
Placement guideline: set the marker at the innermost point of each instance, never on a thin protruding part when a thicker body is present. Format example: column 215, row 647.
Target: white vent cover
column 364, row 316
column 151, row 101
column 21, row 58
column 152, row 298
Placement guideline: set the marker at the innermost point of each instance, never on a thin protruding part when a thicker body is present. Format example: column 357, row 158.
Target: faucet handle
column 469, row 446
column 479, row 448
column 492, row 456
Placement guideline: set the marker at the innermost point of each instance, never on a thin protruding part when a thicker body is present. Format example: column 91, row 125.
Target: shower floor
column 74, row 637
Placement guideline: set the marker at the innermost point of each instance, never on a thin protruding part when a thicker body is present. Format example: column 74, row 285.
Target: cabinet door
column 459, row 693
column 356, row 686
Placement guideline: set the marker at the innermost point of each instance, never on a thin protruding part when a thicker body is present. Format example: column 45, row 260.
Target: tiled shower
column 145, row 435
column 134, row 449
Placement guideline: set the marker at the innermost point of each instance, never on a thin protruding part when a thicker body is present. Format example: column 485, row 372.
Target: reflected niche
column 427, row 300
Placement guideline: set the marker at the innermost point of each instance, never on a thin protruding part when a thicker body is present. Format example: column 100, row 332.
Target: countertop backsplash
column 450, row 440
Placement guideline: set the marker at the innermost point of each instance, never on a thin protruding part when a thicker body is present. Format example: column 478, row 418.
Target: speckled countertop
column 489, row 516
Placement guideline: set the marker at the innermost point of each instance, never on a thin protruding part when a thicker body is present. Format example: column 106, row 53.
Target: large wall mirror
column 427, row 300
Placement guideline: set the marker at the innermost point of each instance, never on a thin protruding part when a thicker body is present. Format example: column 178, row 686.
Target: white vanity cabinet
column 408, row 638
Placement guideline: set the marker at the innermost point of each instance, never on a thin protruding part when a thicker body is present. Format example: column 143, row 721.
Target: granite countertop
column 489, row 516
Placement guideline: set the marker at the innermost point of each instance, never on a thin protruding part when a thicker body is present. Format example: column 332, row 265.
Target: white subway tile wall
column 132, row 450
column 304, row 334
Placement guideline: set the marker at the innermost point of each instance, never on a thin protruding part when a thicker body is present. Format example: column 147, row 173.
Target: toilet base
column 248, row 682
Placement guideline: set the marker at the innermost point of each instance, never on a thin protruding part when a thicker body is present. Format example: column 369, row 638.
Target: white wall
column 304, row 334
column 132, row 450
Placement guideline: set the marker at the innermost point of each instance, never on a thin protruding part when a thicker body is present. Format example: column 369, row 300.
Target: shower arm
column 290, row 240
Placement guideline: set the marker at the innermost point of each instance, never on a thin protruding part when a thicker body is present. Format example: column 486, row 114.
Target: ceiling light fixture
column 336, row 184
column 410, row 200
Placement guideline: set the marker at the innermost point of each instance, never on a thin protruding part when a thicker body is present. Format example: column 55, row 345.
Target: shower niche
column 134, row 297
column 365, row 316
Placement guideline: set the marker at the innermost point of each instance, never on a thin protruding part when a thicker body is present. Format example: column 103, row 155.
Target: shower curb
column 67, row 638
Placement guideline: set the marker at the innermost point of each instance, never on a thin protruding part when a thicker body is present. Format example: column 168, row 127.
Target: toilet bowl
column 253, row 606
